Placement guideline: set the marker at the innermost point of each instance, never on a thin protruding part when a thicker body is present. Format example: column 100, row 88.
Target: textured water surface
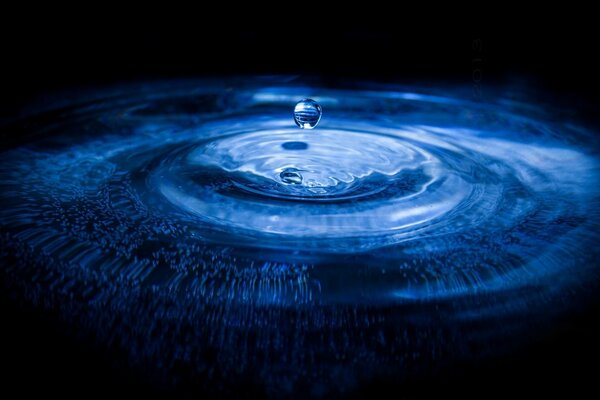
column 194, row 227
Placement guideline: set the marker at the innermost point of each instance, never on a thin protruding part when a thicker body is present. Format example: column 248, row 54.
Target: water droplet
column 307, row 113
column 291, row 176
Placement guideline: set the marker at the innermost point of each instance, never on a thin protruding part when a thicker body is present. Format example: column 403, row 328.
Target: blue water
column 193, row 224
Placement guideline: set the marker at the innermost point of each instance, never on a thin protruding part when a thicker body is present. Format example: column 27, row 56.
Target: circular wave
column 209, row 197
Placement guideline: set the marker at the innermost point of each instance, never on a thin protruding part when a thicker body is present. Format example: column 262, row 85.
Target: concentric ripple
column 359, row 185
column 201, row 209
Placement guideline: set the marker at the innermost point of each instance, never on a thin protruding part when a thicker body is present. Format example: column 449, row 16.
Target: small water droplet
column 291, row 176
column 307, row 113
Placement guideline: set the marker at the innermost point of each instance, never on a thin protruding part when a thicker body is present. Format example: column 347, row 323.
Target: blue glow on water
column 182, row 220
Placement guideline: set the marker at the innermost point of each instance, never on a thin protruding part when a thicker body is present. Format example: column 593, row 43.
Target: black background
column 42, row 53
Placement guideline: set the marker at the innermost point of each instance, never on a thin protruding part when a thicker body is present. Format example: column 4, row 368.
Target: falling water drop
column 307, row 113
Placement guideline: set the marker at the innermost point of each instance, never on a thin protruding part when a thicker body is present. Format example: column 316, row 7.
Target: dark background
column 42, row 53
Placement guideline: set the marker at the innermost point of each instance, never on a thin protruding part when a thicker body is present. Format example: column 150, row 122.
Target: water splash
column 291, row 176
